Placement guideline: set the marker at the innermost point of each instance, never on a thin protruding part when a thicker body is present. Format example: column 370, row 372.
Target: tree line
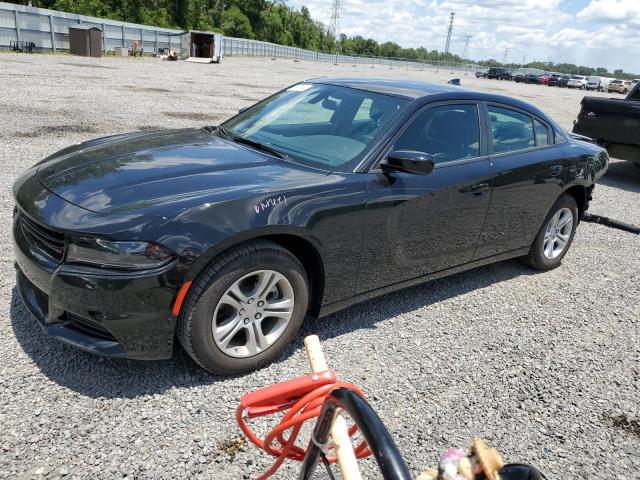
column 272, row 21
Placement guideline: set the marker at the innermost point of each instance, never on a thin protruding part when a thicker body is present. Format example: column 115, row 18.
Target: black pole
column 390, row 462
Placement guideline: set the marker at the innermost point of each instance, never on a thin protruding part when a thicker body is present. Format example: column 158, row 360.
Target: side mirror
column 409, row 161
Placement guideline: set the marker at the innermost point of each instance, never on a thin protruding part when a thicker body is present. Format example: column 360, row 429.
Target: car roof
column 410, row 89
column 416, row 90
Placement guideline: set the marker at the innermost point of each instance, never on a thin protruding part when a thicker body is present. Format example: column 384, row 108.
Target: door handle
column 480, row 189
column 556, row 170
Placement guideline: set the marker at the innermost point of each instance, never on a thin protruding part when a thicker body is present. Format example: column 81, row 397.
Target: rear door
column 419, row 224
column 529, row 171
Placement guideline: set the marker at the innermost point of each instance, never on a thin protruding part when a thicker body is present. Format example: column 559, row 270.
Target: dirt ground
column 545, row 366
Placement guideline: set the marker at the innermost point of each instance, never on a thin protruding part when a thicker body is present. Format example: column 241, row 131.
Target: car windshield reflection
column 323, row 126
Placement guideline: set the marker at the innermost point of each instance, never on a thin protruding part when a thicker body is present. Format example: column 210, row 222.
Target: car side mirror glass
column 410, row 161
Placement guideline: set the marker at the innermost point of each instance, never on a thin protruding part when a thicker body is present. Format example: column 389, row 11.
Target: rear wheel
column 555, row 236
column 244, row 309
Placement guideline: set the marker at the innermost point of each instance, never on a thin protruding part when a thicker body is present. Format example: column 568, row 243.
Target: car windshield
column 318, row 125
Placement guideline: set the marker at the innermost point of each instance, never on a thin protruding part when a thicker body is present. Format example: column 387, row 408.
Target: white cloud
column 546, row 30
column 611, row 11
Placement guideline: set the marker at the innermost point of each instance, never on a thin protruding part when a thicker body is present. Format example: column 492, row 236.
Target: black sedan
column 325, row 194
column 532, row 78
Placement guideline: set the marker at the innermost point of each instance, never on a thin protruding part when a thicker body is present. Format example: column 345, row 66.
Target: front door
column 420, row 224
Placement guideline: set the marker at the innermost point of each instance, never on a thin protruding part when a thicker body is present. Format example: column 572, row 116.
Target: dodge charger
column 327, row 193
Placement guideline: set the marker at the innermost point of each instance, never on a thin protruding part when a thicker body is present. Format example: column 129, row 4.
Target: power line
column 449, row 31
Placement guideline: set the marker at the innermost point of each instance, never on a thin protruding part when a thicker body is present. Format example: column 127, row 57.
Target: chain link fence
column 48, row 30
column 245, row 47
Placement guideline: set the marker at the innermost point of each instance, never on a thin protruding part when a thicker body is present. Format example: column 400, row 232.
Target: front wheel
column 555, row 236
column 244, row 310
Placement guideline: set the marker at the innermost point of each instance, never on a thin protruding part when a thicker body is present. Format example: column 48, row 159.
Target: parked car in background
column 519, row 78
column 544, row 79
column 599, row 84
column 325, row 194
column 482, row 73
column 531, row 78
column 577, row 81
column 559, row 80
column 553, row 80
column 613, row 123
column 619, row 86
column 499, row 74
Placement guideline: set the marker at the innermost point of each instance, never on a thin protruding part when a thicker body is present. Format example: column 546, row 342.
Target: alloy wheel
column 253, row 313
column 558, row 233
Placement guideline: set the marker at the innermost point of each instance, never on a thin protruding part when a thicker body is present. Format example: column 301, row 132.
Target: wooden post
column 104, row 38
column 339, row 432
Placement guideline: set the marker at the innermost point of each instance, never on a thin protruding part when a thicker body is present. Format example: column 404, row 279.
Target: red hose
column 300, row 409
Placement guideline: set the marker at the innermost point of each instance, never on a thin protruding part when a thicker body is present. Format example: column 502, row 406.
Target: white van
column 598, row 83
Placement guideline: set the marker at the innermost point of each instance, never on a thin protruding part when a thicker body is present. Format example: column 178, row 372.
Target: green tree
column 235, row 23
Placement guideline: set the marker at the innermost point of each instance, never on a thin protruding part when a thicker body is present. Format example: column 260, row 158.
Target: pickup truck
column 613, row 123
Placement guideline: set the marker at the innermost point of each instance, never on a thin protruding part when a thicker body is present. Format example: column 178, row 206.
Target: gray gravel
column 545, row 366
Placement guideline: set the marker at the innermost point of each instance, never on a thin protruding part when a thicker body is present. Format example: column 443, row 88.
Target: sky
column 595, row 33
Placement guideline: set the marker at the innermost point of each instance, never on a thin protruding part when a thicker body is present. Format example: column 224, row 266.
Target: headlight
column 119, row 255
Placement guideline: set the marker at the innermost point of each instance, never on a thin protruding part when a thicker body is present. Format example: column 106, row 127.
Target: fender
column 220, row 247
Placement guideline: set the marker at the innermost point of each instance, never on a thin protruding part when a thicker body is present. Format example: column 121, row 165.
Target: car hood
column 141, row 171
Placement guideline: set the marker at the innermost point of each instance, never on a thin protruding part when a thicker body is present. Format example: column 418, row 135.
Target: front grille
column 46, row 241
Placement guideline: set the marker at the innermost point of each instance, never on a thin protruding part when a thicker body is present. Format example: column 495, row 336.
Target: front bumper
column 125, row 315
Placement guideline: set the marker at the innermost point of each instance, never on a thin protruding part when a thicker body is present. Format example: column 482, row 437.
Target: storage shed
column 203, row 47
column 85, row 40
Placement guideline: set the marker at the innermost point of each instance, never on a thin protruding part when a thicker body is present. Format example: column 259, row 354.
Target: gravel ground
column 545, row 366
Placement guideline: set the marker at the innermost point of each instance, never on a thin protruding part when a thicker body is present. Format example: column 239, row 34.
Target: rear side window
column 447, row 132
column 542, row 134
column 511, row 130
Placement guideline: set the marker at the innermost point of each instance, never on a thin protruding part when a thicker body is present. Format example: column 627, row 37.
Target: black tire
column 536, row 258
column 637, row 165
column 195, row 324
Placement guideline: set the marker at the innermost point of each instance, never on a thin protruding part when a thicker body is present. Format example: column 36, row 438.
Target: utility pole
column 465, row 52
column 504, row 57
column 524, row 59
column 334, row 25
column 449, row 31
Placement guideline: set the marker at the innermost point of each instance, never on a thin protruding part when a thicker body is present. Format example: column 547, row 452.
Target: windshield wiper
column 260, row 146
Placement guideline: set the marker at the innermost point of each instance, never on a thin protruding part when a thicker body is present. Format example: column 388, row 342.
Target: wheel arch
column 302, row 246
column 580, row 195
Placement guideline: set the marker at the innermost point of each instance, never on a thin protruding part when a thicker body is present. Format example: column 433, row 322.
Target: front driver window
column 447, row 132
